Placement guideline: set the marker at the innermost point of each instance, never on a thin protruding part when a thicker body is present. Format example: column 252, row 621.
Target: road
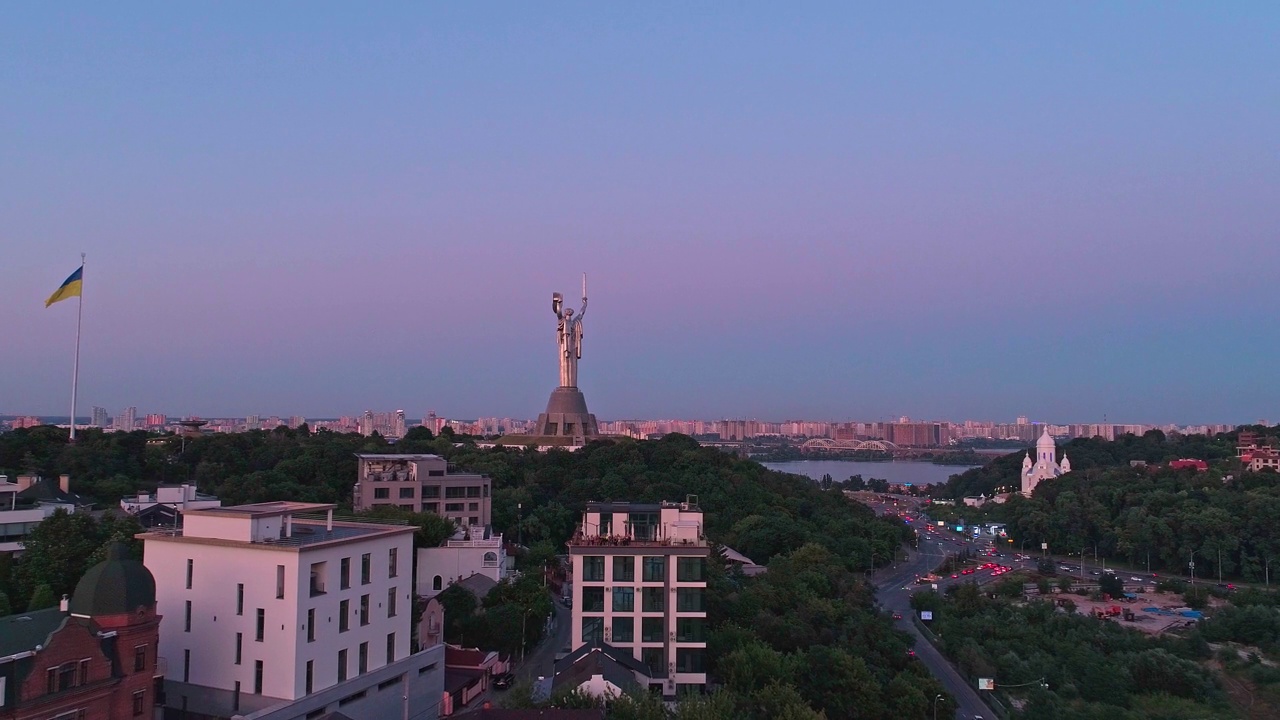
column 541, row 660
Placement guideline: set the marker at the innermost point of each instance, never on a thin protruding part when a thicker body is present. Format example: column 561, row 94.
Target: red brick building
column 93, row 658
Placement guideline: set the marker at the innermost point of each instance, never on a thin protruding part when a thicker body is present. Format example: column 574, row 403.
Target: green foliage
column 5, row 607
column 42, row 598
column 59, row 550
column 1111, row 584
column 432, row 529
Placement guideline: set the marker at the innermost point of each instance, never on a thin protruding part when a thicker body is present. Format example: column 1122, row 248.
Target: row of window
column 259, row 668
column 74, row 673
column 432, row 492
column 318, row 575
column 622, row 630
column 653, row 569
column 652, row 599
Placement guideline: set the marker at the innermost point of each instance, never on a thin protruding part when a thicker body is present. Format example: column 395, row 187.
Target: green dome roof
column 114, row 586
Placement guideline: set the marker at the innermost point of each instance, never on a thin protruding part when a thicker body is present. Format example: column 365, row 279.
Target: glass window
column 406, row 493
column 651, row 630
column 239, row 647
column 364, row 609
column 391, row 648
column 366, row 569
column 431, row 507
column 262, row 624
column 592, row 599
column 655, row 569
column 139, row 658
column 239, row 598
column 455, row 507
column 311, row 625
column 186, row 620
column 362, row 659
column 624, row 569
column 592, row 630
column 139, row 702
column 430, row 491
column 344, row 574
column 391, row 603
column 437, row 582
column 653, row 599
column 344, row 616
column 690, row 660
column 455, row 492
column 691, row 630
column 593, row 568
column 473, row 491
column 393, row 563
column 191, row 564
column 689, row 600
column 690, row 569
column 653, row 657
column 279, row 581
column 473, row 507
column 310, row 675
column 624, row 630
column 606, row 523
column 342, row 665
column 381, row 493
column 624, row 600
column 257, row 677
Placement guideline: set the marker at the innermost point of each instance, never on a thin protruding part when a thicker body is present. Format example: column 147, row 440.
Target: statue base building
column 566, row 422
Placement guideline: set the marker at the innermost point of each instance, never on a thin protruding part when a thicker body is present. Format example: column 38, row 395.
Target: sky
column 785, row 210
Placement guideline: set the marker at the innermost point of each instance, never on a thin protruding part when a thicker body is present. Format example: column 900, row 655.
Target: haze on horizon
column 820, row 210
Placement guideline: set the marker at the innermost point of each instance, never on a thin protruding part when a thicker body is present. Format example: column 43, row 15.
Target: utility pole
column 520, row 524
column 1219, row 566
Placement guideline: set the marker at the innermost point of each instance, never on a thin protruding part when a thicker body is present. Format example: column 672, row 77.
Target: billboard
column 986, row 684
column 926, row 614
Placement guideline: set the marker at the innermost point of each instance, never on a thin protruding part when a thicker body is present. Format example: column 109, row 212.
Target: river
column 898, row 471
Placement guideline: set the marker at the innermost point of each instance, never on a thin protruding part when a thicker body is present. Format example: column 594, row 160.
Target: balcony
column 317, row 587
column 581, row 539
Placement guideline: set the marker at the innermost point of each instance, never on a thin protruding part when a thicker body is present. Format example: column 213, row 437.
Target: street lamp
column 519, row 524
column 935, row 707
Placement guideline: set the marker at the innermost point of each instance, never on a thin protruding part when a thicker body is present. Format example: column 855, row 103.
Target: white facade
column 183, row 497
column 475, row 551
column 18, row 518
column 257, row 600
column 639, row 584
column 1045, row 467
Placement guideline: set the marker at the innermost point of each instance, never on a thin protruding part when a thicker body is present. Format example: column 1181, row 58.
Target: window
column 455, row 493
column 391, row 603
column 689, row 600
column 690, row 569
column 364, row 610
column 186, row 617
column 257, row 677
column 406, row 492
column 691, row 630
column 239, row 646
column 653, row 599
column 311, row 672
column 342, row 665
column 624, row 569
column 84, row 672
column 491, row 559
column 311, row 625
column 362, row 659
column 344, row 574
column 655, row 569
column 473, row 507
column 437, row 582
column 455, row 507
column 593, row 568
column 624, row 600
column 62, row 677
column 393, row 566
column 344, row 616
column 391, row 648
column 653, row 657
column 606, row 523
column 690, row 660
column 624, row 630
column 473, row 491
column 431, row 507
column 262, row 624
column 139, row 702
column 592, row 630
column 366, row 569
column 319, row 571
column 139, row 658
column 382, row 493
column 279, row 582
column 186, row 666
column 240, row 598
column 191, row 566
column 430, row 491
column 435, row 473
column 592, row 599
column 651, row 630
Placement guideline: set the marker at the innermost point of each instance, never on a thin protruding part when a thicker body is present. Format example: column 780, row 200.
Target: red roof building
column 1188, row 464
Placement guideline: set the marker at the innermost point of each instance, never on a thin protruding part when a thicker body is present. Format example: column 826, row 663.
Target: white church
column 1045, row 467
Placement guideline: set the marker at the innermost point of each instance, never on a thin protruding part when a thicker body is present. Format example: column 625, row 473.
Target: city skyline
column 785, row 212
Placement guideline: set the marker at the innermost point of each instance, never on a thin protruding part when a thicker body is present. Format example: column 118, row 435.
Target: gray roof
column 398, row 456
column 47, row 490
column 478, row 585
column 24, row 631
column 115, row 586
column 615, row 666
column 618, row 655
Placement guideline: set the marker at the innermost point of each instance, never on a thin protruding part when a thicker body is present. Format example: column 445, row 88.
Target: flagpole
column 75, row 368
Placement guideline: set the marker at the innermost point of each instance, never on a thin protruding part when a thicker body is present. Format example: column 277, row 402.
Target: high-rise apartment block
column 640, row 585
column 422, row 483
column 276, row 610
column 127, row 420
column 100, row 417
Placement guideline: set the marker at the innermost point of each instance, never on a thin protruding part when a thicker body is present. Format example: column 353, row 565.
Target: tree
column 1111, row 584
column 57, row 552
column 42, row 598
column 5, row 607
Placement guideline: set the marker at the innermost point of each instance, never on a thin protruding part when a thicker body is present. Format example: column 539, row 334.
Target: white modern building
column 271, row 608
column 639, row 585
column 179, row 497
column 1046, row 465
column 471, row 551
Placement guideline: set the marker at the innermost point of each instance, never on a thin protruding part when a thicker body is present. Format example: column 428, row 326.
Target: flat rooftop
column 398, row 456
column 265, row 509
column 638, row 507
column 305, row 533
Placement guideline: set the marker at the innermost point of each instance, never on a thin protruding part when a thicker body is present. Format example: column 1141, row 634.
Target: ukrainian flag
column 70, row 287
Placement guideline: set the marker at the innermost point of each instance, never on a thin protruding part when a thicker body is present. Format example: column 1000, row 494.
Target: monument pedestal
column 565, row 422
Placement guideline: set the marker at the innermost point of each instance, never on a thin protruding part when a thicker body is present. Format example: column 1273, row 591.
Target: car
column 503, row 680
column 1135, row 578
column 1094, row 572
column 897, row 616
column 911, row 653
column 967, row 571
column 954, row 575
column 1064, row 567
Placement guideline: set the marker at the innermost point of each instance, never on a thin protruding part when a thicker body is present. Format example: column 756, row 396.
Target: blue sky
column 787, row 210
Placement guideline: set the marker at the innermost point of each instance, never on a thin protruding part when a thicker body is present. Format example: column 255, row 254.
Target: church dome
column 1046, row 440
column 115, row 586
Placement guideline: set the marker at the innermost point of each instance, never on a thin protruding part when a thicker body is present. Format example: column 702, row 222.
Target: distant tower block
column 192, row 428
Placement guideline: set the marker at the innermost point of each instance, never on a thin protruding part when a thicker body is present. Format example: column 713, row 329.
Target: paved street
column 540, row 661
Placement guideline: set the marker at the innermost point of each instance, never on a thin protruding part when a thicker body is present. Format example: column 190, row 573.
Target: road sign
column 1044, row 546
column 926, row 614
column 986, row 684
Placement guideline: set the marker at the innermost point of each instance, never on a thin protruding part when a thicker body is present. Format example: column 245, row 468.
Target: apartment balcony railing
column 583, row 540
